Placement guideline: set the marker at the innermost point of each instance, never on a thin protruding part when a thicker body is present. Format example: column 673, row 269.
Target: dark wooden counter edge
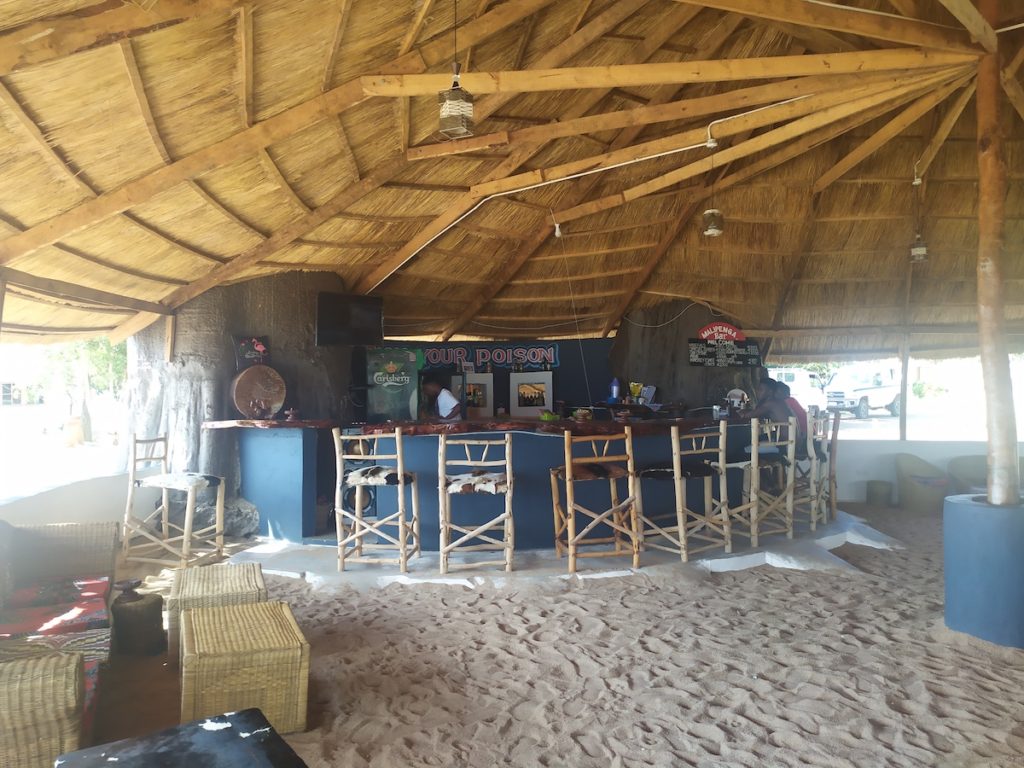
column 272, row 424
column 412, row 428
column 648, row 427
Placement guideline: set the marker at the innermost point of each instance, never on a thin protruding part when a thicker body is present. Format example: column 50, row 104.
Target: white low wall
column 94, row 500
column 863, row 460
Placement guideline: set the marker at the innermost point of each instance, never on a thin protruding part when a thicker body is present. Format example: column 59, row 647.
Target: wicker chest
column 208, row 587
column 241, row 656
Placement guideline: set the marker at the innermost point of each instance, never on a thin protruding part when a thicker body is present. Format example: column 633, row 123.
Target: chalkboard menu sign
column 724, row 353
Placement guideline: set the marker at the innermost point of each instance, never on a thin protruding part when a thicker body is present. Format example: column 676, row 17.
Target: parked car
column 806, row 386
column 862, row 388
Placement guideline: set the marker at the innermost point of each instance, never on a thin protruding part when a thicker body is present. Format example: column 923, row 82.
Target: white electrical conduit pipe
column 710, row 143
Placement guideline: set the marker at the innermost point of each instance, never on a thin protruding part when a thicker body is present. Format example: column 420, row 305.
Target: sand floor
column 673, row 667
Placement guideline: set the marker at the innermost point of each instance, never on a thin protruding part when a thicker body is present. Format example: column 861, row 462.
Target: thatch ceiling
column 153, row 149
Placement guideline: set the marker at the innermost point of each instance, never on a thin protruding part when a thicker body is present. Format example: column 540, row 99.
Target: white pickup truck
column 861, row 389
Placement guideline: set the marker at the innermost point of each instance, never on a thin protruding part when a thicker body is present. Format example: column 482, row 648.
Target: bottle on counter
column 614, row 390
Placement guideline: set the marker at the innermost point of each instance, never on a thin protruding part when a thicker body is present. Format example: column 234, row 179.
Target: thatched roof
column 153, row 149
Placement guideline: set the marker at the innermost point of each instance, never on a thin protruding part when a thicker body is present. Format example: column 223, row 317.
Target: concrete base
column 984, row 562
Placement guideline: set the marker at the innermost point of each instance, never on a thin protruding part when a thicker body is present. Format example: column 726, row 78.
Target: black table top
column 237, row 740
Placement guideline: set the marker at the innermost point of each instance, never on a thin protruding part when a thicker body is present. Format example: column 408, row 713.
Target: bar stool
column 622, row 516
column 475, row 479
column 742, row 518
column 774, row 446
column 395, row 532
column 694, row 458
column 142, row 541
column 812, row 471
column 829, row 502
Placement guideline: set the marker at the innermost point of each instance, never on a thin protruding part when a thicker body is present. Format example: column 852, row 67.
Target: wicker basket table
column 211, row 586
column 241, row 656
column 41, row 701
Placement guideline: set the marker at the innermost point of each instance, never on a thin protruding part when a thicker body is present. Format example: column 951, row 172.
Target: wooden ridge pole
column 1003, row 469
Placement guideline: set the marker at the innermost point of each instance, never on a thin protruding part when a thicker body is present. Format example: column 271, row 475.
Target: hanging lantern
column 456, row 109
column 918, row 251
column 714, row 222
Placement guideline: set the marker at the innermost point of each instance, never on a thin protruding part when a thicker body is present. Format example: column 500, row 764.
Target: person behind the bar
column 769, row 404
column 783, row 393
column 445, row 405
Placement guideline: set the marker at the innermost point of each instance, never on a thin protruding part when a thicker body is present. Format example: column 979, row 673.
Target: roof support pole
column 1003, row 470
column 3, row 292
column 904, row 373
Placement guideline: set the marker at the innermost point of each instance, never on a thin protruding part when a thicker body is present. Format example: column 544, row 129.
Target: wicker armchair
column 50, row 654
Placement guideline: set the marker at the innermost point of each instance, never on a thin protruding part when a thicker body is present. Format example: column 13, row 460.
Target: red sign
column 721, row 332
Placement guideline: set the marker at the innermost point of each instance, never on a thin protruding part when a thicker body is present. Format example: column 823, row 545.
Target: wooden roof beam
column 65, row 290
column 878, row 26
column 1011, row 85
column 943, row 129
column 247, row 142
column 460, row 208
column 820, row 116
column 506, row 84
column 951, row 329
column 103, row 23
column 890, row 130
column 967, row 14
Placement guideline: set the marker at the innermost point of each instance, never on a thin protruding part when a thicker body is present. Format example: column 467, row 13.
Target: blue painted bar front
column 279, row 477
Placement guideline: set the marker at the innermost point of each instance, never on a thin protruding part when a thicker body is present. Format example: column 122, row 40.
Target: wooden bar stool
column 142, row 540
column 812, row 471
column 775, row 448
column 688, row 531
column 623, row 516
column 742, row 518
column 367, row 466
column 475, row 478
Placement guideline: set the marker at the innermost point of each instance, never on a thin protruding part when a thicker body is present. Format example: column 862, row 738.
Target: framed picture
column 468, row 368
column 530, row 393
column 479, row 395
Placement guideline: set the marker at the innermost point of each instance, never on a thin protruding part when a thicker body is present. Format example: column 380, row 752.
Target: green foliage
column 105, row 366
column 923, row 389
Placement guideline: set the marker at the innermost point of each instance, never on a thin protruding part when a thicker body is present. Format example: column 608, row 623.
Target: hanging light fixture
column 918, row 249
column 456, row 121
column 714, row 221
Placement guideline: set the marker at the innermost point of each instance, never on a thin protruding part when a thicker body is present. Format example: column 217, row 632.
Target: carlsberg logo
column 391, row 379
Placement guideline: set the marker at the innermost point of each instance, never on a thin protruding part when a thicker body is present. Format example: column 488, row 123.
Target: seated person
column 445, row 405
column 769, row 405
column 782, row 392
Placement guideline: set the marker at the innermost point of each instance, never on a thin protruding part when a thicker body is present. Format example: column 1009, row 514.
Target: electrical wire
column 575, row 313
column 668, row 322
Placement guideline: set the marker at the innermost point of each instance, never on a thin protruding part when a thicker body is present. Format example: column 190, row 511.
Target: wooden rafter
column 626, row 75
column 524, row 41
column 887, row 132
column 909, row 8
column 56, row 37
column 943, row 128
column 967, row 14
column 47, row 300
column 334, row 46
column 520, row 154
column 766, row 140
column 578, row 277
column 248, row 141
column 274, row 172
column 1011, row 85
column 64, row 290
column 892, row 29
column 244, row 51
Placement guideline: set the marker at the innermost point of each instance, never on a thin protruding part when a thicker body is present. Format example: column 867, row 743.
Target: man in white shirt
column 446, row 405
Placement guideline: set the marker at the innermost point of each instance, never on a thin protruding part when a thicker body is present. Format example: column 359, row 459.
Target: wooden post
column 1003, row 470
column 3, row 292
column 904, row 371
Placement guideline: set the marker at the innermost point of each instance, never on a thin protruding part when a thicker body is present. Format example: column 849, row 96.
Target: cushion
column 479, row 481
column 85, row 614
column 94, row 645
column 179, row 481
column 595, row 471
column 376, row 475
column 60, row 592
column 689, row 469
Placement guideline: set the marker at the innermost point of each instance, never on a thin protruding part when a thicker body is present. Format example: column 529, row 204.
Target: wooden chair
column 694, row 457
column 395, row 532
column 473, row 476
column 601, row 463
column 776, row 479
column 812, row 471
column 170, row 545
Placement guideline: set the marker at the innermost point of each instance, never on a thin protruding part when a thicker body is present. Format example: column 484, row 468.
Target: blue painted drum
column 984, row 565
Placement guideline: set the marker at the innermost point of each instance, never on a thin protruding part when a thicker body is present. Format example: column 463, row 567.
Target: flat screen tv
column 353, row 321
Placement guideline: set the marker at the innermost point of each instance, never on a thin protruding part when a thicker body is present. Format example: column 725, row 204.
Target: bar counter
column 278, row 469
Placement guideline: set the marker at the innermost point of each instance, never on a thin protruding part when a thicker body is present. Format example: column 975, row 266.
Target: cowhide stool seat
column 384, row 537
column 482, row 473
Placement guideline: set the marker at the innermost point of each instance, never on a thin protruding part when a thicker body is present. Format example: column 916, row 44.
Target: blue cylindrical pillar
column 984, row 564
